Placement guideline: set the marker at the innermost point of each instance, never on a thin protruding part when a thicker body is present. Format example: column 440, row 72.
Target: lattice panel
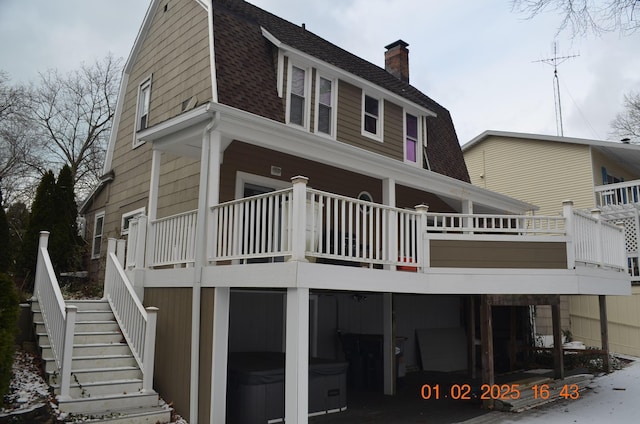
column 630, row 233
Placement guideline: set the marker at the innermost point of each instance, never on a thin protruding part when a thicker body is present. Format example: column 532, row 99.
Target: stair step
column 149, row 415
column 102, row 361
column 89, row 337
column 100, row 375
column 89, row 305
column 101, row 388
column 93, row 349
column 109, row 402
column 85, row 326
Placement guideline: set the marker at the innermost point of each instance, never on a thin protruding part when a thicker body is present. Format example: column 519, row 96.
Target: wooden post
column 486, row 333
column 471, row 336
column 604, row 332
column 558, row 356
column 512, row 341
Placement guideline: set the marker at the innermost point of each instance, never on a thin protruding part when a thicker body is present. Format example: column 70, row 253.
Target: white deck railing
column 618, row 194
column 138, row 324
column 300, row 222
column 495, row 224
column 59, row 319
column 173, row 239
column 598, row 242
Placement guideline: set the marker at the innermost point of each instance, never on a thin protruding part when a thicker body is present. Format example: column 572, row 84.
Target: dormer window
column 297, row 107
column 372, row 117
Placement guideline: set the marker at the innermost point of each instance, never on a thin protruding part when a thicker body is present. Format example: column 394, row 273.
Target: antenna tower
column 555, row 61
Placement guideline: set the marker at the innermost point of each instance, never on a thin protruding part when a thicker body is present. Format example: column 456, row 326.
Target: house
column 278, row 195
column 594, row 174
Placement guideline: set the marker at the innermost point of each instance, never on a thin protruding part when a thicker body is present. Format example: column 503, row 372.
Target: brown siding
column 173, row 345
column 176, row 53
column 349, row 126
column 497, row 254
column 206, row 340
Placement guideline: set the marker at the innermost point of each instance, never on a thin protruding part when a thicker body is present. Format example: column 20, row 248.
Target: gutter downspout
column 200, row 259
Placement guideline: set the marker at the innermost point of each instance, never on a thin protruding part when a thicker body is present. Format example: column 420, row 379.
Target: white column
column 156, row 159
column 219, row 356
column 467, row 209
column 567, row 213
column 595, row 213
column 388, row 345
column 299, row 218
column 213, row 188
column 296, row 375
column 389, row 199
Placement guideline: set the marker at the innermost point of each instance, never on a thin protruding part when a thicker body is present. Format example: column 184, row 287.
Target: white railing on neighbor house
column 618, row 194
column 598, row 242
column 138, row 324
column 302, row 223
column 59, row 319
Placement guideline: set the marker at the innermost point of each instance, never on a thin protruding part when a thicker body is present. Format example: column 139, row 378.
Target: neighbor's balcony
column 625, row 194
column 304, row 224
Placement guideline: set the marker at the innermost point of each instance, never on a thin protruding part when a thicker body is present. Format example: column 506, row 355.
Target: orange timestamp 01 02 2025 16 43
column 494, row 392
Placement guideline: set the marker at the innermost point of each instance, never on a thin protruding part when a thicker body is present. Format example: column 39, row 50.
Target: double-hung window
column 412, row 142
column 98, row 228
column 128, row 217
column 298, row 96
column 372, row 116
column 142, row 109
column 325, row 95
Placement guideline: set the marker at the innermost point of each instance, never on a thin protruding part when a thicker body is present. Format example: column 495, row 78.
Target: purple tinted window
column 411, row 150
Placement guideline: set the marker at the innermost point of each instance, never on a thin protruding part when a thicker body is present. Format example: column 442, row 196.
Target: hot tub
column 255, row 384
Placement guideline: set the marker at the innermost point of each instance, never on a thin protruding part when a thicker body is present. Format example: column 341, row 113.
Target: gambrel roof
column 246, row 74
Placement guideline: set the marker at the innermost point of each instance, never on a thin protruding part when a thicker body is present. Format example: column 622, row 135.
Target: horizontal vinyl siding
column 171, row 377
column 540, row 172
column 349, row 125
column 497, row 254
column 623, row 314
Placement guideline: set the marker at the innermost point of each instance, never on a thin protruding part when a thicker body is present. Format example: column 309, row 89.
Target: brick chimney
column 396, row 60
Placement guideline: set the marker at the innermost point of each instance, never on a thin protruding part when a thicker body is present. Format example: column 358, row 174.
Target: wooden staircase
column 106, row 381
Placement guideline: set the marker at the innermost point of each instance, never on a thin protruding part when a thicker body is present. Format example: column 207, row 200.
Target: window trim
column 145, row 84
column 333, row 115
column 307, row 94
column 419, row 140
column 94, row 254
column 380, row 119
column 128, row 216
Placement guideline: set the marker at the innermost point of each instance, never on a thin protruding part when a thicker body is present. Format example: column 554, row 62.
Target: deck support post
column 486, row 334
column 219, row 356
column 388, row 345
column 604, row 332
column 296, row 372
column 389, row 199
column 558, row 356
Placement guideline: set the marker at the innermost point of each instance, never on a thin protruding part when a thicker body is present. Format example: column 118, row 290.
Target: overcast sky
column 476, row 58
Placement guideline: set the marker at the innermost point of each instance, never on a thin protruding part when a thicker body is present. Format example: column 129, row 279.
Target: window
column 412, row 139
column 371, row 117
column 142, row 109
column 127, row 217
column 297, row 98
column 98, row 228
column 324, row 106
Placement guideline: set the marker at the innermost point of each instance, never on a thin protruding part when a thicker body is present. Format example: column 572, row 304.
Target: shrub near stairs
column 8, row 325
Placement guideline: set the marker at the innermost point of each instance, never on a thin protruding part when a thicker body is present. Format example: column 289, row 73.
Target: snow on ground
column 614, row 398
column 27, row 389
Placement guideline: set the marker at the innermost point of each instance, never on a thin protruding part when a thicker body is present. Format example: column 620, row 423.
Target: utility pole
column 555, row 61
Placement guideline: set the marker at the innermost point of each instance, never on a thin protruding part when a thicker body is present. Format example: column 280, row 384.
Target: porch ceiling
column 183, row 136
column 626, row 155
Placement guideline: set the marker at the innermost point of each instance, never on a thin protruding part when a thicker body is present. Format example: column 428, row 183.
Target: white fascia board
column 113, row 136
column 553, row 138
column 254, row 129
column 344, row 75
column 178, row 123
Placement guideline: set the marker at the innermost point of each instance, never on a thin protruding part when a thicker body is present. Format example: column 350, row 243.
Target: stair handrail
column 138, row 324
column 59, row 319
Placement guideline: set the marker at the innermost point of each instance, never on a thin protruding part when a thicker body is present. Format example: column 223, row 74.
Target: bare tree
column 74, row 114
column 627, row 123
column 581, row 17
column 17, row 142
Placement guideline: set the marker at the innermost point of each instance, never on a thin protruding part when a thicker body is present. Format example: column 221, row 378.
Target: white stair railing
column 138, row 324
column 59, row 319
